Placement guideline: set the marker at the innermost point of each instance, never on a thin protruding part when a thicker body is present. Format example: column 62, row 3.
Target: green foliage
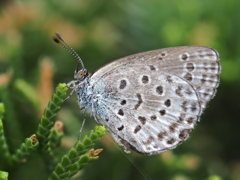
column 5, row 155
column 47, row 119
column 55, row 138
column 3, row 175
column 49, row 139
column 78, row 156
column 101, row 31
column 25, row 149
column 214, row 178
column 2, row 110
column 27, row 91
column 22, row 153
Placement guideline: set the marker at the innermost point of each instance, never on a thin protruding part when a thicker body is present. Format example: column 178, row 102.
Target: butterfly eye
column 80, row 75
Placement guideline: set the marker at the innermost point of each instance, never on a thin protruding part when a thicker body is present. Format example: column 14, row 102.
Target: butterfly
column 150, row 101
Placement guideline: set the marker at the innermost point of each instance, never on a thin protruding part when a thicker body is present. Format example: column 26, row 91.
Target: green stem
column 46, row 124
column 25, row 149
column 4, row 150
column 78, row 156
column 48, row 117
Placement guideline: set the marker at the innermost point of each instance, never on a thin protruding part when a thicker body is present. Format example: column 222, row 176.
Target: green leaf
column 78, row 156
column 3, row 175
column 47, row 120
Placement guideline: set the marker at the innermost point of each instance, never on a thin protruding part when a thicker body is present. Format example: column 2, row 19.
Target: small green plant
column 47, row 139
column 3, row 175
column 78, row 156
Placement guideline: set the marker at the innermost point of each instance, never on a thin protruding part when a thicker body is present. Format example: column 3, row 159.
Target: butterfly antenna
column 59, row 40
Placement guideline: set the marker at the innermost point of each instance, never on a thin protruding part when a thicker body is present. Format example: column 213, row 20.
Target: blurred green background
column 31, row 65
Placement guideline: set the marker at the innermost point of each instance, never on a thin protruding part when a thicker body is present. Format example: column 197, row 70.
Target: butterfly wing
column 150, row 101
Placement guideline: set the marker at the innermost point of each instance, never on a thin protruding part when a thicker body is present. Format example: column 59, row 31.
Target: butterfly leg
column 80, row 131
column 70, row 95
column 71, row 84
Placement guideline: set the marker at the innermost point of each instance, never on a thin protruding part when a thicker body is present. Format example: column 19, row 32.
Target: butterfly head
column 80, row 74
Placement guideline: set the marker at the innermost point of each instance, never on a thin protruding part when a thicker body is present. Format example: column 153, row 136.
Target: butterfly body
column 150, row 101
